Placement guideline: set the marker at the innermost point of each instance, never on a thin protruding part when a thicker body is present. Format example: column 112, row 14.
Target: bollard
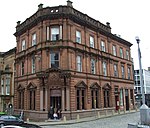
column 113, row 112
column 106, row 113
column 78, row 117
column 98, row 114
column 27, row 119
column 118, row 111
column 64, row 119
column 124, row 111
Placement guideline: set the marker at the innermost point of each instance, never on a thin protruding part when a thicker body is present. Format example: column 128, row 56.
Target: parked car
column 11, row 120
column 11, row 126
column 2, row 124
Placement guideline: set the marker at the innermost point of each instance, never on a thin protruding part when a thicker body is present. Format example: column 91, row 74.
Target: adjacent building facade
column 70, row 62
column 146, row 84
column 7, row 60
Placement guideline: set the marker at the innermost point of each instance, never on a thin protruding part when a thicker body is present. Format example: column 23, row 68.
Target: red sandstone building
column 69, row 61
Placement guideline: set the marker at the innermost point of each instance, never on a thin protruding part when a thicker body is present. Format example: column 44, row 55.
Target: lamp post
column 140, row 71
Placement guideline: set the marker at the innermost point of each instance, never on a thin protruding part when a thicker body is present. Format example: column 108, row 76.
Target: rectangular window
column 106, row 98
column 54, row 34
column 78, row 37
column 54, row 60
column 78, row 100
column 7, row 84
column 79, row 64
column 23, row 45
column 22, row 68
column 33, row 64
column 92, row 66
column 104, row 69
column 122, row 70
column 114, row 50
column 47, row 33
column 129, row 74
column 127, row 55
column 103, row 46
column 91, row 41
column 34, row 39
column 121, row 52
column 115, row 70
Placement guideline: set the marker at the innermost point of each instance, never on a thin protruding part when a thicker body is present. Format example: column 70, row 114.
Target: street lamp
column 141, row 74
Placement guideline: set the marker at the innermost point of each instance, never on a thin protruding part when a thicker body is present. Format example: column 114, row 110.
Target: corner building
column 72, row 62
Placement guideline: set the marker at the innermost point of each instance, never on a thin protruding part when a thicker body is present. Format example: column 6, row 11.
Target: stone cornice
column 66, row 12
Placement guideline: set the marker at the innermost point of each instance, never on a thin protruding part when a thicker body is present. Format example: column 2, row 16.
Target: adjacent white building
column 146, row 83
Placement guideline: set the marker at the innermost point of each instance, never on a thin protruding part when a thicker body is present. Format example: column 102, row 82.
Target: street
column 120, row 121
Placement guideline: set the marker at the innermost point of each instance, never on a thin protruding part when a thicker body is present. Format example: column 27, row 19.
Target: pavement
column 51, row 122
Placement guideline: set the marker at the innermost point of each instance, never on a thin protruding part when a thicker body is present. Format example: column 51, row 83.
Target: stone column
column 67, row 99
column 63, row 103
column 41, row 100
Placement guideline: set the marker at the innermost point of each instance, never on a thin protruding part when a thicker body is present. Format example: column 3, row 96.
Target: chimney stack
column 69, row 3
column 40, row 6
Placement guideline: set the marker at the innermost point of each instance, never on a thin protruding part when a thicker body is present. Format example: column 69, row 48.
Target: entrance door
column 55, row 102
column 117, row 102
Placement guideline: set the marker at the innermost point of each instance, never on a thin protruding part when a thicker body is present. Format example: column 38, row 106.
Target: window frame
column 23, row 45
column 121, row 52
column 33, row 66
column 93, row 66
column 92, row 42
column 55, row 35
column 79, row 63
column 103, row 46
column 56, row 63
column 104, row 68
column 78, row 36
column 34, row 39
column 114, row 50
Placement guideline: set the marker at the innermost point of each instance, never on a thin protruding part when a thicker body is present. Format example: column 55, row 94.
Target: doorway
column 55, row 102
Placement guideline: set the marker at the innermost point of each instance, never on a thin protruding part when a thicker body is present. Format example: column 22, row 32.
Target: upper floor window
column 79, row 64
column 121, row 52
column 78, row 36
column 122, row 71
column 127, row 55
column 22, row 68
column 91, row 41
column 8, row 85
column 114, row 50
column 103, row 48
column 54, row 60
column 33, row 64
column 23, row 45
column 129, row 73
column 115, row 70
column 104, row 68
column 34, row 39
column 92, row 66
column 54, row 33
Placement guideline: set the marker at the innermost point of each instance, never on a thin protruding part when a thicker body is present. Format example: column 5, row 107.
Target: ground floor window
column 95, row 101
column 106, row 99
column 32, row 99
column 21, row 100
column 80, row 95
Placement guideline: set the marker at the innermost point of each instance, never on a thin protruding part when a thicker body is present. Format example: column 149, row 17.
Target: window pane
column 54, row 34
column 78, row 37
column 54, row 60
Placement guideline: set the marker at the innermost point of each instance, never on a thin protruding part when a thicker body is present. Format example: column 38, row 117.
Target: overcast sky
column 128, row 18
